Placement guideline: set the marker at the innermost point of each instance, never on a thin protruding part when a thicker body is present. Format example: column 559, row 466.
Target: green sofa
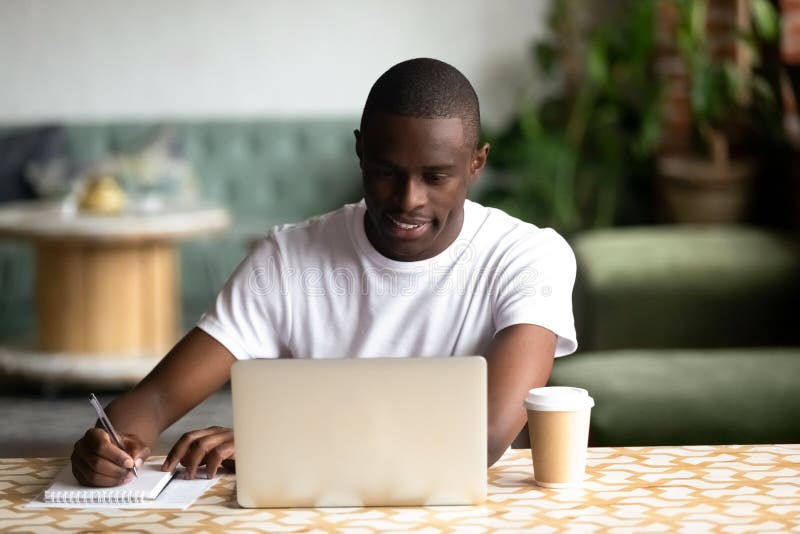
column 689, row 335
column 265, row 172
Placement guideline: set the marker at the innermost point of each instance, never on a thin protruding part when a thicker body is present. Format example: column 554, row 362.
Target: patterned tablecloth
column 695, row 489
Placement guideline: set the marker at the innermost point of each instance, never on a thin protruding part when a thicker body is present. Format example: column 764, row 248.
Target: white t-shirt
column 319, row 289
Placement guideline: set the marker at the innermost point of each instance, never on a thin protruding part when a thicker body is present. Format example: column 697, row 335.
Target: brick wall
column 676, row 127
column 790, row 89
column 722, row 19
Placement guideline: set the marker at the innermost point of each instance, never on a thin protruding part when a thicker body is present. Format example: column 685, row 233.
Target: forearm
column 502, row 432
column 139, row 412
column 520, row 358
column 194, row 369
column 507, row 414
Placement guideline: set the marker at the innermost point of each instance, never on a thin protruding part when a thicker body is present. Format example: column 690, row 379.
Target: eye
column 436, row 178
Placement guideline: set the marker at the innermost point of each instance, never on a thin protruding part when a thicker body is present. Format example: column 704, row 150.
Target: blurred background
column 145, row 145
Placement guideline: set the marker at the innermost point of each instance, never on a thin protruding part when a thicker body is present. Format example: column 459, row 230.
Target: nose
column 411, row 194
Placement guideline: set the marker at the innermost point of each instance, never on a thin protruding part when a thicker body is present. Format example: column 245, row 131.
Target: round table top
column 48, row 220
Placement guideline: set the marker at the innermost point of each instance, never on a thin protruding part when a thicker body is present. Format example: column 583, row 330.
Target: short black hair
column 426, row 88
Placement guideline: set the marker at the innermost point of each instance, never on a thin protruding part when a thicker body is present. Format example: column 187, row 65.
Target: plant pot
column 698, row 190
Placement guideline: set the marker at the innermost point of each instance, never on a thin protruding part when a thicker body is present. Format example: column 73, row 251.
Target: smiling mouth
column 401, row 224
column 405, row 229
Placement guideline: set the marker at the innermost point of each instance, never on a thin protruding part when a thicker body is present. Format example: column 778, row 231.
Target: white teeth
column 403, row 225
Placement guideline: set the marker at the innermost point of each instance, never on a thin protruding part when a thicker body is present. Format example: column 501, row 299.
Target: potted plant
column 712, row 183
column 585, row 139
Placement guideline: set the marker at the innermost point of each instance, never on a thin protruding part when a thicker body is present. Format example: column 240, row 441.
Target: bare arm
column 196, row 367
column 519, row 358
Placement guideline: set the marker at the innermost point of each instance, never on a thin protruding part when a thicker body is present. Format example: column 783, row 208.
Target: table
column 749, row 488
column 106, row 286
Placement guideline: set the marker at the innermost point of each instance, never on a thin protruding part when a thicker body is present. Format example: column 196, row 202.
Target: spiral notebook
column 152, row 489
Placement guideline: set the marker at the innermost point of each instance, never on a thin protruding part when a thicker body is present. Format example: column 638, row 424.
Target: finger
column 87, row 476
column 198, row 452
column 137, row 450
column 99, row 442
column 215, row 457
column 182, row 445
column 230, row 464
column 196, row 455
column 98, row 464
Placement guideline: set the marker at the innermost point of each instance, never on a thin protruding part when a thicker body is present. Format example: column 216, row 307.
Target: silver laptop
column 360, row 432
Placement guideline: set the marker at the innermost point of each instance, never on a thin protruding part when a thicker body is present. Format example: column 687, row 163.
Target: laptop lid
column 360, row 432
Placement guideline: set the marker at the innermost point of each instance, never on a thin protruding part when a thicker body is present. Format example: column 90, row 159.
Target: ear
column 478, row 162
column 359, row 145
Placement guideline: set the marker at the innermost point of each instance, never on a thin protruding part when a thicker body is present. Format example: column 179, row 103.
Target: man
column 413, row 270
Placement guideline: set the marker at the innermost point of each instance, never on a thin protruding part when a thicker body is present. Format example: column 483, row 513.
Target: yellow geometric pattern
column 736, row 489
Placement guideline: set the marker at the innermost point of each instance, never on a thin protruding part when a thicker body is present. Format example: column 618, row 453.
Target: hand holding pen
column 106, row 422
column 104, row 457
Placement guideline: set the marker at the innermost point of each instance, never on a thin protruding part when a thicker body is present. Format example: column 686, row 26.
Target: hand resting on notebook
column 212, row 447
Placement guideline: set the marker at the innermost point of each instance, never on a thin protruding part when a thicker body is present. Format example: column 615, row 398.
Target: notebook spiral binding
column 95, row 497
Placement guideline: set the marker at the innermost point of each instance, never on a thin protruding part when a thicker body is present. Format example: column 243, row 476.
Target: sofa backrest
column 686, row 287
column 265, row 172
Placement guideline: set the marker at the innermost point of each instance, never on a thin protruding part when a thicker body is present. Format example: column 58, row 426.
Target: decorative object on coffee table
column 102, row 194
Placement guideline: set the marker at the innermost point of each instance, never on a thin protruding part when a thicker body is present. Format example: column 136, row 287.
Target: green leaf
column 700, row 94
column 597, row 64
column 763, row 89
column 765, row 20
column 697, row 19
column 733, row 85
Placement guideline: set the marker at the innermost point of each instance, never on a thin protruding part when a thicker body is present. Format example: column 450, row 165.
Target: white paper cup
column 558, row 424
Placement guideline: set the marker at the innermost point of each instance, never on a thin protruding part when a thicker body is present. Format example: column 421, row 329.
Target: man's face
column 416, row 175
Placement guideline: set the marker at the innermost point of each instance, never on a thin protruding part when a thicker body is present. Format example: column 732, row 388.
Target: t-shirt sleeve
column 250, row 315
column 535, row 287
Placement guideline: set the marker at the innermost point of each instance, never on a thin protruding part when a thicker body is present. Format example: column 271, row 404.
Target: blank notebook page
column 151, row 480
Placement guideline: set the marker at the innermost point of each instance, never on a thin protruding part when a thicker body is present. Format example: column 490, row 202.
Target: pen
column 106, row 422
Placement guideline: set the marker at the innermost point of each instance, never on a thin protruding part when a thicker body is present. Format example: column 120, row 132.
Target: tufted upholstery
column 265, row 172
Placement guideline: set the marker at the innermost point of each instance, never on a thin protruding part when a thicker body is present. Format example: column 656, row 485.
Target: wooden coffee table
column 106, row 287
column 750, row 488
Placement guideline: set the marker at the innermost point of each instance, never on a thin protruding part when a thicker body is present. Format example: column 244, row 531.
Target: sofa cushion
column 684, row 286
column 681, row 397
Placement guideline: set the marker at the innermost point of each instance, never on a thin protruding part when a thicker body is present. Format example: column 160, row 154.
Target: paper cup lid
column 558, row 399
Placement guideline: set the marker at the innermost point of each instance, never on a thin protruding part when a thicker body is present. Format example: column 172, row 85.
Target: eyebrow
column 427, row 168
column 439, row 168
